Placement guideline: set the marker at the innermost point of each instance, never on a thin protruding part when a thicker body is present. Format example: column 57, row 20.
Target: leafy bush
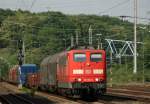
column 121, row 75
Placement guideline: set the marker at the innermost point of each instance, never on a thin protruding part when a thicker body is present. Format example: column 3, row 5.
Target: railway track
column 145, row 87
column 139, row 95
column 9, row 94
column 15, row 99
column 127, row 94
column 114, row 96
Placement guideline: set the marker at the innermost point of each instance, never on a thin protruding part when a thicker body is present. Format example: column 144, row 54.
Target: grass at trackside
column 28, row 91
column 123, row 76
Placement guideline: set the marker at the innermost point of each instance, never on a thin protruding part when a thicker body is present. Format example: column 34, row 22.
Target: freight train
column 77, row 72
column 13, row 74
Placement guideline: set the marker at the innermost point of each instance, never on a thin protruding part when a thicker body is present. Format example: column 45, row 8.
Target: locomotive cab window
column 79, row 57
column 96, row 57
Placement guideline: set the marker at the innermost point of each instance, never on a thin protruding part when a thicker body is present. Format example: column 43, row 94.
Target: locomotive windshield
column 79, row 57
column 96, row 57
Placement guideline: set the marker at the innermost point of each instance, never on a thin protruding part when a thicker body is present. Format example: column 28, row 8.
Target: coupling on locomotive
column 76, row 72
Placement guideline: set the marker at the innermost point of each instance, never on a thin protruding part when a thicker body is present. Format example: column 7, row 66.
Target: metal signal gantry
column 122, row 48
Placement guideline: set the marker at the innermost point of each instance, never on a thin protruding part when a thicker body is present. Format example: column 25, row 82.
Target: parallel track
column 113, row 96
column 143, row 96
column 15, row 99
column 5, row 100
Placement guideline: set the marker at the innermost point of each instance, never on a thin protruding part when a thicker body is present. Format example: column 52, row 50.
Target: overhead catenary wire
column 115, row 6
column 142, row 18
column 32, row 26
column 32, row 4
column 24, row 4
column 17, row 4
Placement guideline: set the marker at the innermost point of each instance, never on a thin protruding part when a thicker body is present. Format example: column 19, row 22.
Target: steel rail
column 22, row 99
column 4, row 99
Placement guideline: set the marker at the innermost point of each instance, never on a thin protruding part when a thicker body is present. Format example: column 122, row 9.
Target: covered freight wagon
column 13, row 75
column 48, row 71
column 26, row 69
column 33, row 80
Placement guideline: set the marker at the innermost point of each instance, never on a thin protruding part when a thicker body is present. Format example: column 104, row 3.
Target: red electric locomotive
column 75, row 72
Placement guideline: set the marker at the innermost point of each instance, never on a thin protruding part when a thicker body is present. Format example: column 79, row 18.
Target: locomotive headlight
column 96, row 79
column 98, row 71
column 77, row 71
column 79, row 79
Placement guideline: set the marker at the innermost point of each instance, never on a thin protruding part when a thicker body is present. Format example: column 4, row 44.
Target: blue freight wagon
column 26, row 69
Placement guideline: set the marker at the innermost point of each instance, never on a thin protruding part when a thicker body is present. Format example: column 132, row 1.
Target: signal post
column 20, row 61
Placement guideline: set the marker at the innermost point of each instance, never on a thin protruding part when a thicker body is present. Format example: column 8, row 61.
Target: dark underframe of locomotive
column 84, row 89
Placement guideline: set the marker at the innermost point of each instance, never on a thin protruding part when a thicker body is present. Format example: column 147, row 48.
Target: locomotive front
column 87, row 72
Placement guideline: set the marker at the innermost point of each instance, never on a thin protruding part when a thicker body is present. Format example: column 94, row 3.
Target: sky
column 98, row 7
